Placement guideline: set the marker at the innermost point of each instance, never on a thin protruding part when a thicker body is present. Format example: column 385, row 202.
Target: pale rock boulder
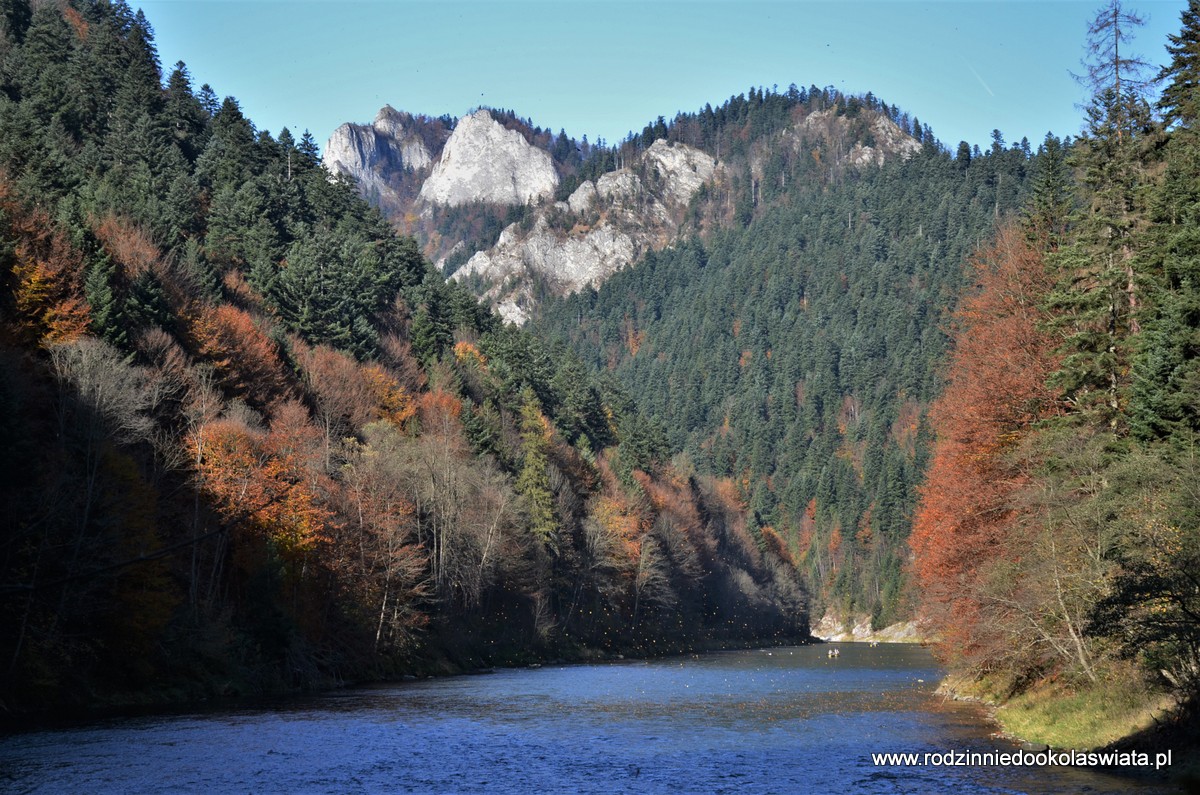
column 484, row 162
column 621, row 185
column 859, row 629
column 583, row 198
column 890, row 140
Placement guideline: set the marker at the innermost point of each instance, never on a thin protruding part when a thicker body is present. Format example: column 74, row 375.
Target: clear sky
column 965, row 67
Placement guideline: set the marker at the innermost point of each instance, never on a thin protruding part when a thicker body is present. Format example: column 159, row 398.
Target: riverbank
column 1120, row 712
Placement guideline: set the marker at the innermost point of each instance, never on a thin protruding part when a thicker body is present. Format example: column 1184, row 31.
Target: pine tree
column 185, row 115
column 533, row 481
column 108, row 320
column 1180, row 99
column 1166, row 371
column 1097, row 298
column 1110, row 66
column 1053, row 195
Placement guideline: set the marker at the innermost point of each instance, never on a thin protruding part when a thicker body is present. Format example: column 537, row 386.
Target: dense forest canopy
column 252, row 441
column 795, row 341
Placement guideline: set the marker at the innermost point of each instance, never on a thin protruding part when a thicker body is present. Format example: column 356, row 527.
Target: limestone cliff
column 601, row 228
column 374, row 155
column 485, row 162
column 458, row 192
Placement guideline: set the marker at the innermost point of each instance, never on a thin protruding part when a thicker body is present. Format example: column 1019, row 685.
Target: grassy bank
column 1093, row 715
column 1120, row 711
column 1066, row 714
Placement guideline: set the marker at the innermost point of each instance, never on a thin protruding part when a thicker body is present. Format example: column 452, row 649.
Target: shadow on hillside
column 1179, row 733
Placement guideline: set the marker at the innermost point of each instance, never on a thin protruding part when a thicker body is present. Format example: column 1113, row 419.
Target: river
column 784, row 720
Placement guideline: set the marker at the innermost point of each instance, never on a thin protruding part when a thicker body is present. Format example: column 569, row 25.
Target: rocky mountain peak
column 371, row 153
column 485, row 162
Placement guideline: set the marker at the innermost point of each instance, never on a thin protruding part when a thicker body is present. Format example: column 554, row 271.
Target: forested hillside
column 794, row 344
column 1057, row 537
column 253, row 442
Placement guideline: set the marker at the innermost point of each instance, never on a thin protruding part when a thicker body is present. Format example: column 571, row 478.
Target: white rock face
column 389, row 123
column 619, row 185
column 368, row 153
column 569, row 262
column 858, row 629
column 484, row 162
column 583, row 198
column 684, row 168
column 599, row 230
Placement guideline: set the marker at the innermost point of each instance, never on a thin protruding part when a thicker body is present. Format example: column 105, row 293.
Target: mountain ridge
column 638, row 200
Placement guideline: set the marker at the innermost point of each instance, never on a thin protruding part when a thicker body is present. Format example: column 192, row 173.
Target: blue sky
column 604, row 68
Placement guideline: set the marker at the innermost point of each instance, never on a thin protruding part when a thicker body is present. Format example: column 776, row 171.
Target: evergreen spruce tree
column 108, row 319
column 533, row 481
column 1166, row 371
column 1052, row 200
column 1097, row 299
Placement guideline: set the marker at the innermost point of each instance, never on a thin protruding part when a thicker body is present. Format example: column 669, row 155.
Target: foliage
column 252, row 441
column 1056, row 537
column 796, row 356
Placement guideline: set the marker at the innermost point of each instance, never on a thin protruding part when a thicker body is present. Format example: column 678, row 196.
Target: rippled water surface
column 777, row 720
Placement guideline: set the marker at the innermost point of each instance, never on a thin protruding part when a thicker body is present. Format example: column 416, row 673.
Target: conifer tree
column 1166, row 371
column 1097, row 296
column 107, row 317
column 533, row 481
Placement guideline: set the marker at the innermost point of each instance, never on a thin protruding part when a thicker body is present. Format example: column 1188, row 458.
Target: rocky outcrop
column 565, row 262
column 484, row 162
column 398, row 128
column 682, row 170
column 601, row 228
column 886, row 138
column 372, row 154
column 858, row 629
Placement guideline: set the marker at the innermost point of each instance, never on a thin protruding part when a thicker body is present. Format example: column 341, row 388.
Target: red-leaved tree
column 995, row 391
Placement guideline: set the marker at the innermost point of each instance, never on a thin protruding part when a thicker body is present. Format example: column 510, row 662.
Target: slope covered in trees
column 1057, row 536
column 794, row 345
column 251, row 441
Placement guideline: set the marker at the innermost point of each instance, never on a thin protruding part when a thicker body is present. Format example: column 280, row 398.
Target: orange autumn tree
column 245, row 359
column 393, row 402
column 260, row 487
column 995, row 391
column 47, row 277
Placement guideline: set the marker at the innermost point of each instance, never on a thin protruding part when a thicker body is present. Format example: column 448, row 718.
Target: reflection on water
column 777, row 720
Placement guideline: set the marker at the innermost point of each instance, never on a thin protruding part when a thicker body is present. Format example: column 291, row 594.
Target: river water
column 786, row 720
